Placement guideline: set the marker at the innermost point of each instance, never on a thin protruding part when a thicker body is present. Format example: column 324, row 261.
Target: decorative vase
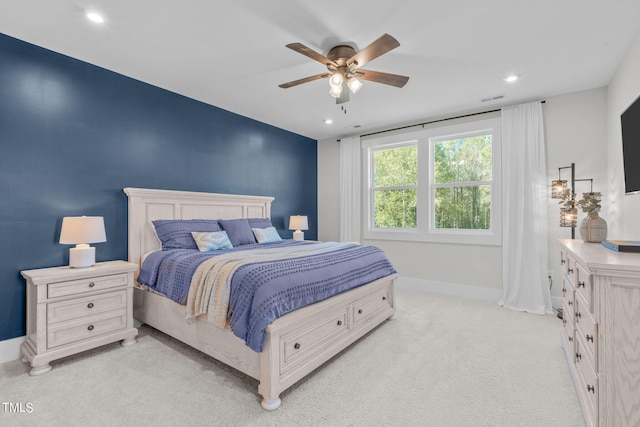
column 593, row 228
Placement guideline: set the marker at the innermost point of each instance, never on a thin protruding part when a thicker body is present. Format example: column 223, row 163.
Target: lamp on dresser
column 298, row 223
column 81, row 231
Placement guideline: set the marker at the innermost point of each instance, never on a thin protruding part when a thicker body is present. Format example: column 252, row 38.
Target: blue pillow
column 238, row 230
column 260, row 222
column 211, row 240
column 176, row 233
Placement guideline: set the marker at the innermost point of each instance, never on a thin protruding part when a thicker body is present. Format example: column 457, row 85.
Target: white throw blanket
column 210, row 288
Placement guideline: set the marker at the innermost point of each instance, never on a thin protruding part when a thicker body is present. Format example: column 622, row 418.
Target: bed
column 294, row 344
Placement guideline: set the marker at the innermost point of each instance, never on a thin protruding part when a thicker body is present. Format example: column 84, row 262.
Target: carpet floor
column 440, row 361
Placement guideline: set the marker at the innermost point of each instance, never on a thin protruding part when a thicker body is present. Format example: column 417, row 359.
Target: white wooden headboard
column 146, row 205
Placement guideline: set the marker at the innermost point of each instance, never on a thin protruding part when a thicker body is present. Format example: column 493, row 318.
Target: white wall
column 623, row 89
column 575, row 132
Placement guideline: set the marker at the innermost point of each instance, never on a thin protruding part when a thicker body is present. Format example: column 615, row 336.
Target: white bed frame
column 295, row 344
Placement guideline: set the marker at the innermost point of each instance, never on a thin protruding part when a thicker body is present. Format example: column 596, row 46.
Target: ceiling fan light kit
column 343, row 63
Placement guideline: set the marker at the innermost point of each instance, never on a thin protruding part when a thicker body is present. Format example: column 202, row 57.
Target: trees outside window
column 441, row 186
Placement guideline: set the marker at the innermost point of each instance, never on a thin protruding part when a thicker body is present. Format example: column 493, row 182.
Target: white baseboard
column 10, row 349
column 451, row 289
column 458, row 290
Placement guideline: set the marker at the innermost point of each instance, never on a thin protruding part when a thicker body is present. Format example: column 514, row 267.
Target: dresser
column 70, row 310
column 601, row 334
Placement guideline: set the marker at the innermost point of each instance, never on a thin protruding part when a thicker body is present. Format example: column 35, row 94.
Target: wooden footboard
column 295, row 344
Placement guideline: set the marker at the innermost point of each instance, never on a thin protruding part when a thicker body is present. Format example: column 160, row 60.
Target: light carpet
column 440, row 361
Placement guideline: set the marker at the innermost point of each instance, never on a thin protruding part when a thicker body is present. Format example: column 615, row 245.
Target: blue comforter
column 264, row 291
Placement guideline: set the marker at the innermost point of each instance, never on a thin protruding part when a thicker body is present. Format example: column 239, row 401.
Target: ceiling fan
column 343, row 64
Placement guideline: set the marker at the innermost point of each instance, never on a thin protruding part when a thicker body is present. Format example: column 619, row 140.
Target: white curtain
column 350, row 179
column 524, row 259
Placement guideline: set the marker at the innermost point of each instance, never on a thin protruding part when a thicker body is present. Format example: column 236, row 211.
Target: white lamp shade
column 298, row 222
column 82, row 229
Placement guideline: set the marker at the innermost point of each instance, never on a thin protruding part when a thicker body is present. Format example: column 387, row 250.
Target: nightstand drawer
column 72, row 287
column 86, row 306
column 85, row 327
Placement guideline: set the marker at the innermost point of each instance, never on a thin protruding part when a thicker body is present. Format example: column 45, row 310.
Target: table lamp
column 298, row 223
column 80, row 231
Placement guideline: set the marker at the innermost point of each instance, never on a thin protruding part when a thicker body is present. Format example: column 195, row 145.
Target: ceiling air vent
column 492, row 98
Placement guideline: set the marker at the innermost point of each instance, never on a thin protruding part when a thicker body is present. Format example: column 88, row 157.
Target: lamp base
column 298, row 235
column 82, row 256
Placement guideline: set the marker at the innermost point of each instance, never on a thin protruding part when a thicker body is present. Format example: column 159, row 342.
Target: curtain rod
column 434, row 121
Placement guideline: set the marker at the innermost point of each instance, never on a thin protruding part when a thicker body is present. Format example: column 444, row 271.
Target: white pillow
column 211, row 240
column 266, row 235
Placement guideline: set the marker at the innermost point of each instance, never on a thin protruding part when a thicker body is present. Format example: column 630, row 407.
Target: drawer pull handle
column 590, row 338
column 570, row 302
column 90, row 305
column 578, row 315
column 360, row 311
column 296, row 345
column 578, row 356
column 591, row 388
column 564, row 322
column 570, row 270
column 561, row 262
column 339, row 322
column 90, row 328
column 580, row 284
column 570, row 339
column 91, row 285
column 564, row 290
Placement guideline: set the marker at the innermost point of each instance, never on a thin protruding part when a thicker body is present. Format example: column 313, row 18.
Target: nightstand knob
column 91, row 285
column 90, row 327
column 90, row 305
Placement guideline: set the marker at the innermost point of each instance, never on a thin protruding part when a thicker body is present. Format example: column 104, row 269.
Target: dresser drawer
column 584, row 285
column 303, row 343
column 370, row 306
column 85, row 327
column 73, row 287
column 567, row 323
column 85, row 306
column 587, row 382
column 571, row 269
column 586, row 328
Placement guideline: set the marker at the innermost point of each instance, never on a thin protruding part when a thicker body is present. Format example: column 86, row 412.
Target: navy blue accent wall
column 73, row 135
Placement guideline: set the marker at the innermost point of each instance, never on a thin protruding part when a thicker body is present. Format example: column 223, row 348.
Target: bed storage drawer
column 370, row 306
column 302, row 343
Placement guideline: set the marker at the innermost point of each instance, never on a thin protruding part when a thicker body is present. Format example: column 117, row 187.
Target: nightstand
column 70, row 310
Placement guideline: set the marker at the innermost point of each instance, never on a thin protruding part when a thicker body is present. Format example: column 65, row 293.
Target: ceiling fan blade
column 379, row 47
column 306, row 51
column 305, row 80
column 384, row 78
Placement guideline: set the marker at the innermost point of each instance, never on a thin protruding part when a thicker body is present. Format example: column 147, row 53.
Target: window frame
column 425, row 230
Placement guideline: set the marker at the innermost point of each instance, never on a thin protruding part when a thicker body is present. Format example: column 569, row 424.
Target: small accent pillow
column 211, row 240
column 176, row 233
column 239, row 231
column 266, row 235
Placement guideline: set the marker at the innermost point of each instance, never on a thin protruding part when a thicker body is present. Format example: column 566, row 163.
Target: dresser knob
column 91, row 285
column 90, row 305
column 296, row 346
column 90, row 327
column 339, row 322
column 591, row 388
column 590, row 338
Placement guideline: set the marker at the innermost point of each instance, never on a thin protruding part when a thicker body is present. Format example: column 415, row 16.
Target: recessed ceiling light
column 95, row 17
column 327, row 121
column 511, row 78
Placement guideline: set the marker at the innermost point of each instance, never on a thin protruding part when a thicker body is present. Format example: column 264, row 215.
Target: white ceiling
column 231, row 53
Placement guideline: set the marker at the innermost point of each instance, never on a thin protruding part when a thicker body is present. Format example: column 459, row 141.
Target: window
column 442, row 185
